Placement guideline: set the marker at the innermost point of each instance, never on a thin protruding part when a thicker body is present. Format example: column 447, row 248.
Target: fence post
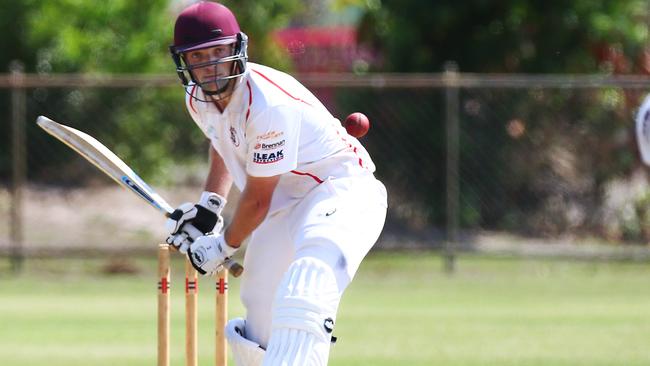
column 16, row 255
column 452, row 128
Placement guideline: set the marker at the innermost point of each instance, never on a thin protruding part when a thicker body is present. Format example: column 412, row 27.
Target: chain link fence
column 470, row 161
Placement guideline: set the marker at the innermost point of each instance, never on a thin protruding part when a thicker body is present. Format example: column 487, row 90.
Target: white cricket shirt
column 272, row 126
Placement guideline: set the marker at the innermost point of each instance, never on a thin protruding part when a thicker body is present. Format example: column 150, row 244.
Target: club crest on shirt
column 267, row 158
column 233, row 136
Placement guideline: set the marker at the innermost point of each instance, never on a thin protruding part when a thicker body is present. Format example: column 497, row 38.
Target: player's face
column 207, row 69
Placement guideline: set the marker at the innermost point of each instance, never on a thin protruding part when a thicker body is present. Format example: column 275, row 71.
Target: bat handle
column 234, row 268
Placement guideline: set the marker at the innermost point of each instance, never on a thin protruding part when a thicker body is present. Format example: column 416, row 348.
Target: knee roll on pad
column 303, row 315
column 244, row 351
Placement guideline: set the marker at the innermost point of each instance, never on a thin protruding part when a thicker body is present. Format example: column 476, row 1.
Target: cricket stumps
column 191, row 312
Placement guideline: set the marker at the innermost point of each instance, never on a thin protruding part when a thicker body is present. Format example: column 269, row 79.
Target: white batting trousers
column 337, row 223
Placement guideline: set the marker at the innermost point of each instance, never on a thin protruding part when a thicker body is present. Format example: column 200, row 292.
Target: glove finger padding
column 181, row 241
column 208, row 253
column 205, row 215
column 185, row 238
column 185, row 212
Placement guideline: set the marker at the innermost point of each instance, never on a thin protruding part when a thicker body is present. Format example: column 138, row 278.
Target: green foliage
column 258, row 19
column 510, row 182
column 117, row 36
column 14, row 30
column 148, row 128
column 124, row 36
column 506, row 36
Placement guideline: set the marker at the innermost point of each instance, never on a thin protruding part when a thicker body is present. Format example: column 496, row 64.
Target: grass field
column 401, row 310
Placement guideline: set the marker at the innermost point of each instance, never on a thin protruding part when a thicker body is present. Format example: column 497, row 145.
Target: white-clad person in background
column 643, row 130
column 309, row 200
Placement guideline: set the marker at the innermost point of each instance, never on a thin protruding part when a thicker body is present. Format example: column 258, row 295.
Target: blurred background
column 492, row 125
column 501, row 129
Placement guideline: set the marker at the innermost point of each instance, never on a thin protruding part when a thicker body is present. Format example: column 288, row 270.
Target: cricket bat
column 109, row 163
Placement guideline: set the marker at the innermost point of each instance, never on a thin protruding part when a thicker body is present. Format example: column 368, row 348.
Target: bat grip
column 233, row 267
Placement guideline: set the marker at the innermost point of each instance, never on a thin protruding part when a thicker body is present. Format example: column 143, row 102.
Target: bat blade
column 104, row 159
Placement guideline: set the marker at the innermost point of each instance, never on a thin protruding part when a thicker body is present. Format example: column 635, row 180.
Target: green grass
column 400, row 310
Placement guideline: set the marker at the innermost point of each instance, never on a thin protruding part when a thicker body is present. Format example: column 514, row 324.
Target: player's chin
column 223, row 88
column 210, row 86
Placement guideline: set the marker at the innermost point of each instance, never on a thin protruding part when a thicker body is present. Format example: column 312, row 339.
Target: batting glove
column 189, row 221
column 208, row 253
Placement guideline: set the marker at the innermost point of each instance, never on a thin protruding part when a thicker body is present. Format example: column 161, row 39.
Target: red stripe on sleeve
column 318, row 180
column 250, row 99
column 192, row 98
column 279, row 87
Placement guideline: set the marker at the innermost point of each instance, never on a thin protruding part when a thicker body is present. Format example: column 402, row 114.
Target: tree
column 147, row 127
column 516, row 184
column 507, row 36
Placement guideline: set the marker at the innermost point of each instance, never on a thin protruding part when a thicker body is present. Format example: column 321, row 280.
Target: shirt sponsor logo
column 273, row 146
column 263, row 158
column 269, row 135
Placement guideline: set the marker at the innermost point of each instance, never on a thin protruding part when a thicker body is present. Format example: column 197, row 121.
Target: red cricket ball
column 357, row 124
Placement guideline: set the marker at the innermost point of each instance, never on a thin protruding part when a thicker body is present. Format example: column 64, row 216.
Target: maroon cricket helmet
column 208, row 24
column 204, row 24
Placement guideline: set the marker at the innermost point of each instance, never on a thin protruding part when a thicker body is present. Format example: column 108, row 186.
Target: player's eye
column 221, row 51
column 195, row 56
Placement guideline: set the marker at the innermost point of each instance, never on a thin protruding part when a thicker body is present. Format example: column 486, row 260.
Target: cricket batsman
column 309, row 200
